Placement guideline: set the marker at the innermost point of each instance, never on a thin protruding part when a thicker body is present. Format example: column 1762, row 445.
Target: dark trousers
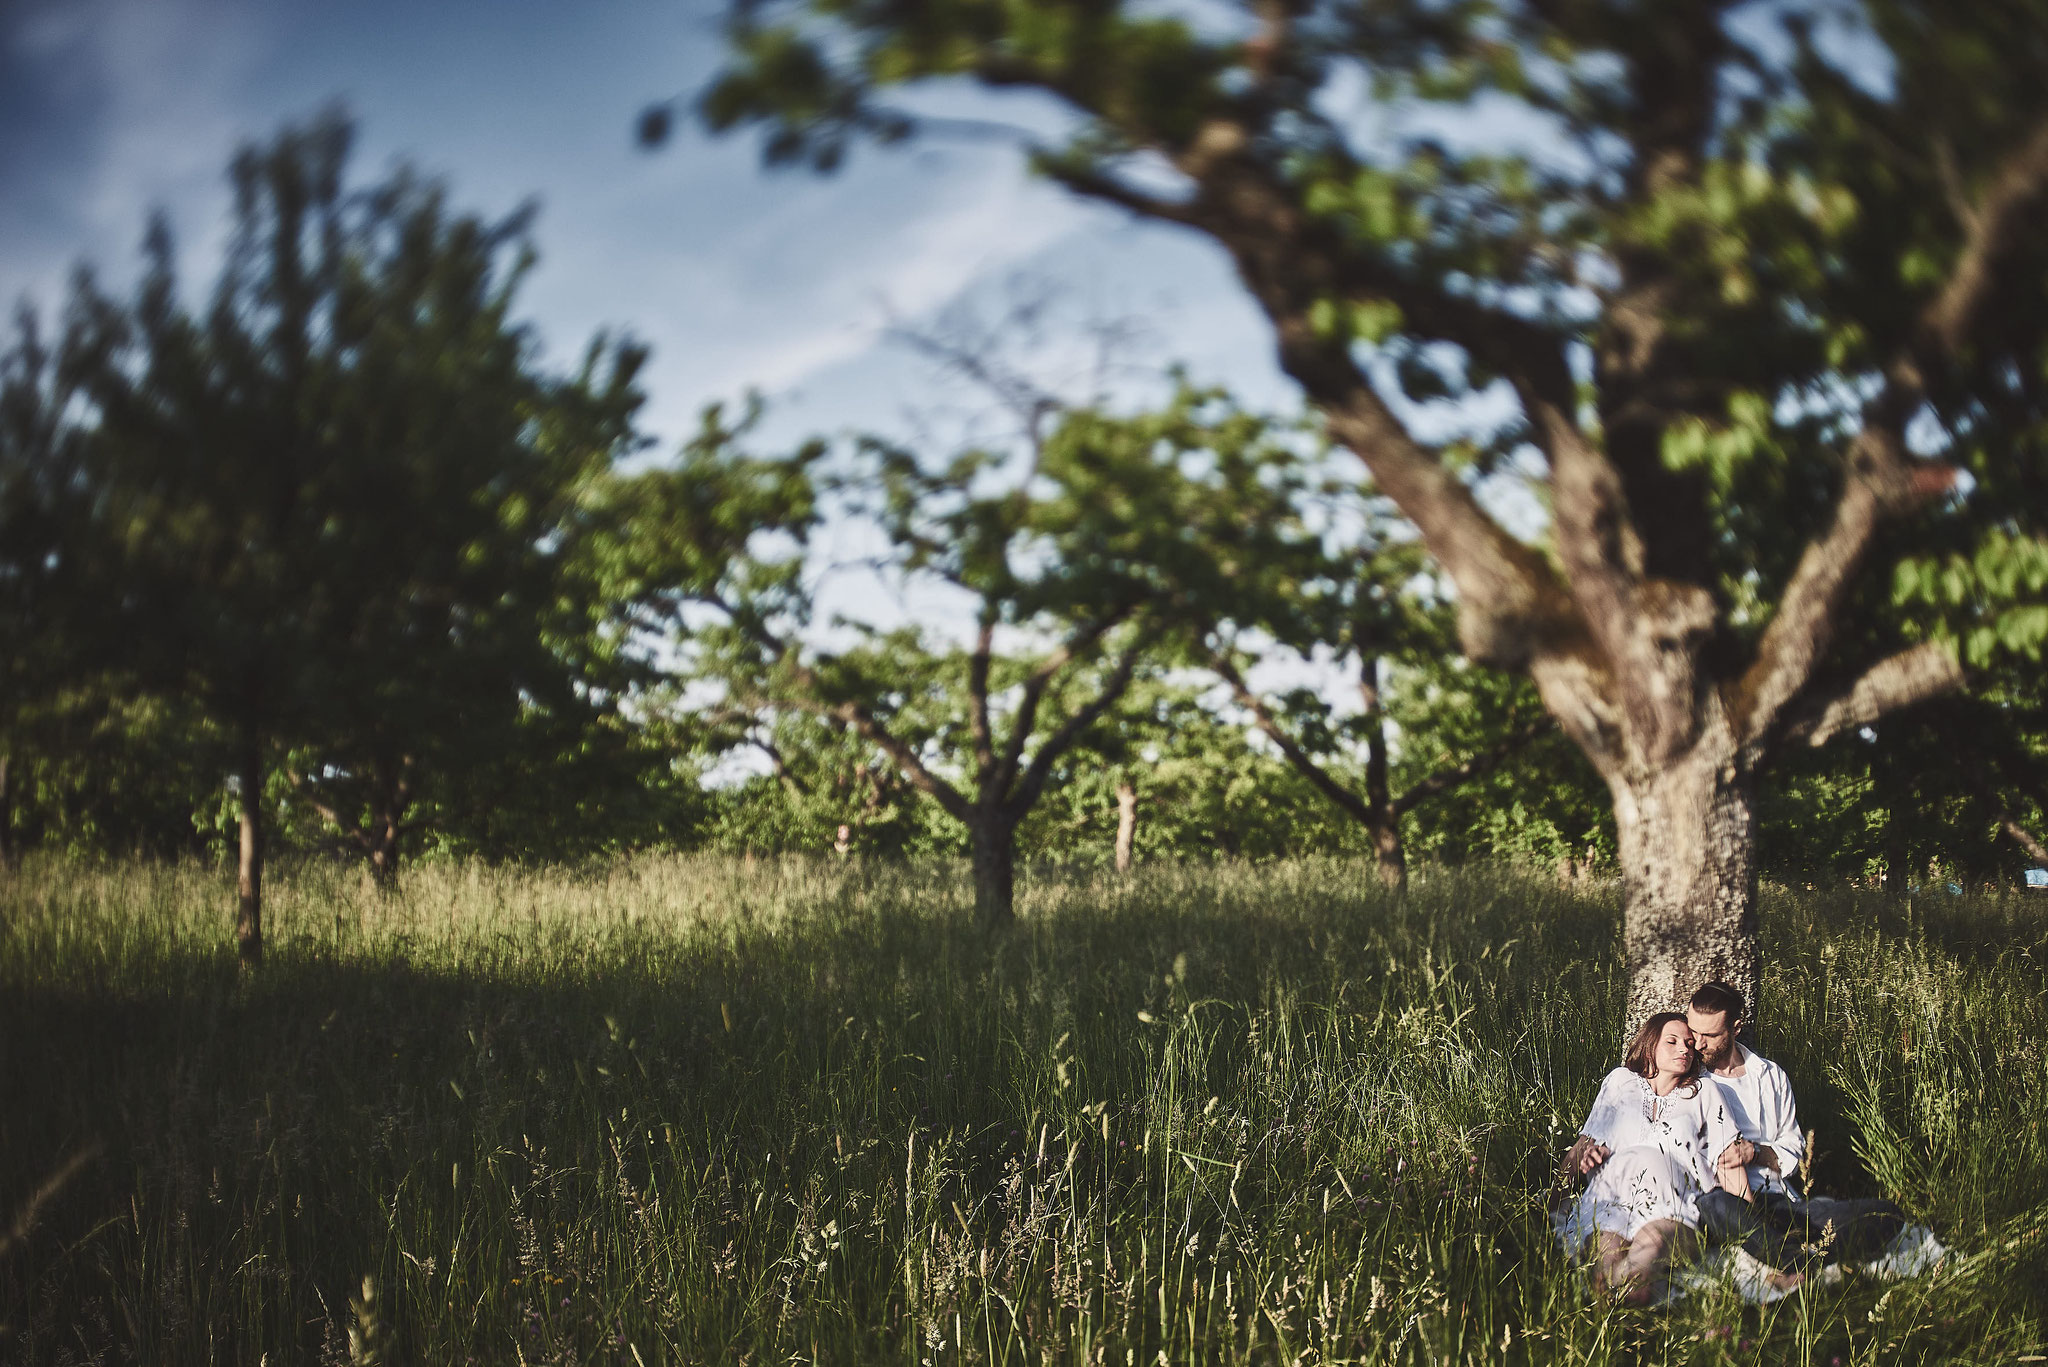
column 1794, row 1236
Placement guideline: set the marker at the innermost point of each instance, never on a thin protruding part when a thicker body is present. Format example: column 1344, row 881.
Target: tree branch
column 1881, row 481
column 1914, row 675
column 1060, row 741
column 1482, row 763
column 796, row 786
column 1026, row 719
column 1303, row 762
column 355, row 834
column 2002, row 220
column 1510, row 604
column 870, row 728
column 1095, row 184
column 2036, row 851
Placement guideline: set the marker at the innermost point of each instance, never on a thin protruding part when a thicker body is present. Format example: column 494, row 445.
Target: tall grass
column 693, row 1110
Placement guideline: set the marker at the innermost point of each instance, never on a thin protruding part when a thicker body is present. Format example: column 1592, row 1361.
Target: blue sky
column 738, row 277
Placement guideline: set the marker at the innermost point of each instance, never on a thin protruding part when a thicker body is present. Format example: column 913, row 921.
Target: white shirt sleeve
column 1780, row 1121
column 1608, row 1119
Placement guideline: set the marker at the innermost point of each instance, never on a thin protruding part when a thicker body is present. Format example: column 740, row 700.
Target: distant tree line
column 328, row 560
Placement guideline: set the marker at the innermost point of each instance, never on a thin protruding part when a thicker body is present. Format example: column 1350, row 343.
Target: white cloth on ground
column 1914, row 1253
column 1761, row 1106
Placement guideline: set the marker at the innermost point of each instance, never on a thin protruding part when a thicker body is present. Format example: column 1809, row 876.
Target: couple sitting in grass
column 1694, row 1139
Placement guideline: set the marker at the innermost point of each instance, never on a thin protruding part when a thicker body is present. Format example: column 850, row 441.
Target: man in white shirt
column 1775, row 1226
column 1757, row 1092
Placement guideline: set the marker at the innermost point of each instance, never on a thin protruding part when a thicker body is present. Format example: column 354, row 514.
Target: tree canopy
column 1757, row 312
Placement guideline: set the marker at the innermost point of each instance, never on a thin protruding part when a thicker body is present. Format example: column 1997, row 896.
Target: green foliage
column 1718, row 246
column 330, row 515
column 690, row 1110
column 1542, row 806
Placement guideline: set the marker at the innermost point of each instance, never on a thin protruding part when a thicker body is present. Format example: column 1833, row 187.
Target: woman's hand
column 1730, row 1171
column 1581, row 1158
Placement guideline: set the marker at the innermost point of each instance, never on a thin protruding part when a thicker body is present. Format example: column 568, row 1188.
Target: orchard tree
column 45, row 548
column 1070, row 562
column 1358, row 603
column 343, row 495
column 1755, row 310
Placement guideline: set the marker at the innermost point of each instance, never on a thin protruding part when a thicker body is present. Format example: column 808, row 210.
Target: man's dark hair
column 1718, row 997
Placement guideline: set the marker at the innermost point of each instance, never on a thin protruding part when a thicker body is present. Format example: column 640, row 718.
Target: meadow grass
column 699, row 1110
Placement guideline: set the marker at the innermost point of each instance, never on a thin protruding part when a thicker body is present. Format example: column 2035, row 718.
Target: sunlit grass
column 698, row 1110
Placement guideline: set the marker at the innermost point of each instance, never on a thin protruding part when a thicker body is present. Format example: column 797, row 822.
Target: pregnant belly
column 1642, row 1178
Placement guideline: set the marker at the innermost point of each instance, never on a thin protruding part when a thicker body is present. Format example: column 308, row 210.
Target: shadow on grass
column 655, row 1112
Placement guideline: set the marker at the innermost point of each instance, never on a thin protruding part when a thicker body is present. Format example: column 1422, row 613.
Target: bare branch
column 1914, row 675
column 1060, row 741
column 1484, row 762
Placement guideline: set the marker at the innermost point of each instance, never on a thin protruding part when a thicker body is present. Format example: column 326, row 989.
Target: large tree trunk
column 1126, row 823
column 1687, row 836
column 1385, row 827
column 995, row 858
column 249, row 871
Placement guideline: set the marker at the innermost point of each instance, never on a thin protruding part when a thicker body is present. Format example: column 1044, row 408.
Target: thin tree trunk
column 1389, row 854
column 6, row 813
column 1126, row 823
column 384, row 853
column 1687, row 837
column 995, row 859
column 249, row 879
column 389, row 802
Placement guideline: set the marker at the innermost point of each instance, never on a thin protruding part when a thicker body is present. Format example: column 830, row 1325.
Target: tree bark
column 249, row 873
column 389, row 805
column 1687, row 837
column 384, row 853
column 1126, row 823
column 1389, row 855
column 995, row 859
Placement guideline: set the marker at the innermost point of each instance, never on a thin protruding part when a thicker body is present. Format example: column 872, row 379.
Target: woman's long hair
column 1641, row 1058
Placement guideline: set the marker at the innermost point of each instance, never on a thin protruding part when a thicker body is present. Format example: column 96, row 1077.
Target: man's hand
column 1743, row 1154
column 1587, row 1154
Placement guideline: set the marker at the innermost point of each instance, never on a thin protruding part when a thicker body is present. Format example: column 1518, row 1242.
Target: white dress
column 1664, row 1149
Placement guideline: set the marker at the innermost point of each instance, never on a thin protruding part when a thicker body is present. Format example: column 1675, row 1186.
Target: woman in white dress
column 1649, row 1149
